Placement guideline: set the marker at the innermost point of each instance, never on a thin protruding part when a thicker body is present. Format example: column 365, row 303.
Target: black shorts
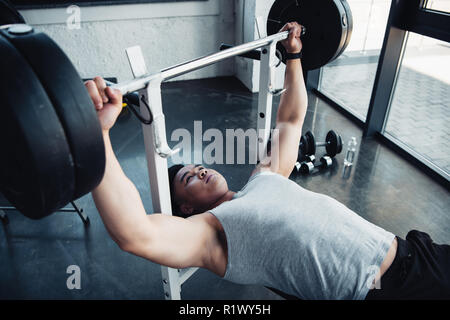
column 420, row 270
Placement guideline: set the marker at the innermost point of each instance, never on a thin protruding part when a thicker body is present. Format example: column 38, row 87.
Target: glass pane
column 439, row 5
column 349, row 79
column 420, row 111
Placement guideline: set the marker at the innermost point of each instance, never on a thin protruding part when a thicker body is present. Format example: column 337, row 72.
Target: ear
column 186, row 209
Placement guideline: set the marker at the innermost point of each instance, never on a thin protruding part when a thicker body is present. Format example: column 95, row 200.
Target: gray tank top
column 303, row 243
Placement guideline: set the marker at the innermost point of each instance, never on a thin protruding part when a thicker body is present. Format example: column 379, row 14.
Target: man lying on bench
column 272, row 232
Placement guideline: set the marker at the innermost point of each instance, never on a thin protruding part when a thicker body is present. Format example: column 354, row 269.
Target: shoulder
column 212, row 229
column 209, row 220
column 261, row 168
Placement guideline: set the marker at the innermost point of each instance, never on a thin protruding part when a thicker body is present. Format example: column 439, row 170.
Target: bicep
column 172, row 241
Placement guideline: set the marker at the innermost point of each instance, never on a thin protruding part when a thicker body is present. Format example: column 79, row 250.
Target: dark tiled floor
column 381, row 187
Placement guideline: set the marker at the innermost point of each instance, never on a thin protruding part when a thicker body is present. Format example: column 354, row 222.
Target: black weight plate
column 349, row 22
column 309, row 136
column 339, row 144
column 36, row 166
column 332, row 143
column 72, row 104
column 8, row 14
column 303, row 150
column 326, row 23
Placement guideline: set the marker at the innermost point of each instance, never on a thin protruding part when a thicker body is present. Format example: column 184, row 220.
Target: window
column 419, row 115
column 438, row 5
column 349, row 79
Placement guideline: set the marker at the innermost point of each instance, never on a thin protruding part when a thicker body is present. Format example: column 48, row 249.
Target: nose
column 202, row 173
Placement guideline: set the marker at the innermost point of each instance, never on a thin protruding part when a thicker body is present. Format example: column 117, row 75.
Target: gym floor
column 381, row 187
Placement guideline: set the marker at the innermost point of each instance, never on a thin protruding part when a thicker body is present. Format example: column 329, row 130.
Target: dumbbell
column 308, row 167
column 306, row 147
column 332, row 144
column 309, row 159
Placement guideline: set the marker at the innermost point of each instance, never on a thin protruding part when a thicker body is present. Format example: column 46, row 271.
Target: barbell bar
column 54, row 151
column 51, row 141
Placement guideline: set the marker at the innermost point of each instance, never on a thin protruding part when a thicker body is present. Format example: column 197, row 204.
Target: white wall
column 169, row 33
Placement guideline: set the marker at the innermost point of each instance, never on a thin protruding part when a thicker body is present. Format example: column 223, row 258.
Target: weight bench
column 157, row 149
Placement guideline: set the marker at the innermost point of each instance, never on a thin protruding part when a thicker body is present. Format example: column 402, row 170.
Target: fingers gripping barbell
column 256, row 54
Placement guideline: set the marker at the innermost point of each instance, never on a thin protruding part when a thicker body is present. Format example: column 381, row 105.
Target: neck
column 226, row 197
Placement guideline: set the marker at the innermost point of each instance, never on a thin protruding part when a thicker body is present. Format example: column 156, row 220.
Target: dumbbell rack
column 75, row 208
column 157, row 149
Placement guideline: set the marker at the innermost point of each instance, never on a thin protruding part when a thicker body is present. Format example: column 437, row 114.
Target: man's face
column 197, row 189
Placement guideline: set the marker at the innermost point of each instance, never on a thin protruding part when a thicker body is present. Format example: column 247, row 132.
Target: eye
column 188, row 178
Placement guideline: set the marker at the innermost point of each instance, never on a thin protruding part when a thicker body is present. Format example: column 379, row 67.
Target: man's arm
column 165, row 240
column 291, row 111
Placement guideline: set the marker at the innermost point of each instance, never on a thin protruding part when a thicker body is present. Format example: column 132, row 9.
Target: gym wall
column 169, row 33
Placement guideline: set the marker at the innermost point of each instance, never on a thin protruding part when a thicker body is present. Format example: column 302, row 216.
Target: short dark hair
column 173, row 170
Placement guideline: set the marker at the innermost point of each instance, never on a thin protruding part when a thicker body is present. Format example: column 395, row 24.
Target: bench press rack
column 157, row 149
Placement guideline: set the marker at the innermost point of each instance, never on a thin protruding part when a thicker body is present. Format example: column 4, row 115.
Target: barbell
column 327, row 29
column 52, row 149
column 51, row 141
column 328, row 24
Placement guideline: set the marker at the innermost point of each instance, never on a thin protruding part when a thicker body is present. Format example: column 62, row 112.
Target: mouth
column 209, row 177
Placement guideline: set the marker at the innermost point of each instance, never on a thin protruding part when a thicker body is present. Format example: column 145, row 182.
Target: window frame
column 405, row 16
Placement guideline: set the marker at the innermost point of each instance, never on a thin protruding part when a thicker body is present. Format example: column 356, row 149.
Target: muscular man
column 272, row 232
